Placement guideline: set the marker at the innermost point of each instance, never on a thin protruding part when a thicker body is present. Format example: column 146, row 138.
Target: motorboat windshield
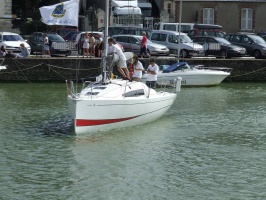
column 177, row 66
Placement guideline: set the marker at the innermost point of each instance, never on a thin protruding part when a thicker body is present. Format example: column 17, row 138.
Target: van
column 206, row 30
column 171, row 40
column 185, row 27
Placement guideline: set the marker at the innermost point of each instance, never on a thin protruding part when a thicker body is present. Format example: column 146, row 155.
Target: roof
column 244, row 1
column 166, row 31
column 8, row 33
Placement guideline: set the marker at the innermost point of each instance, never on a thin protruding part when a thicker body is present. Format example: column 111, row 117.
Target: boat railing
column 225, row 69
column 175, row 84
column 2, row 60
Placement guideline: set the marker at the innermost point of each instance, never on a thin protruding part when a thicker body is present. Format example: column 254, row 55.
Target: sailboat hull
column 93, row 115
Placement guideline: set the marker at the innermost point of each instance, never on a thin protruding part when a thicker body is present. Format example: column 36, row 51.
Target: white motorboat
column 197, row 75
column 115, row 103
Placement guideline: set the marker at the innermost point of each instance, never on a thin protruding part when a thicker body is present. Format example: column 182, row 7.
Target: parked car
column 58, row 45
column 12, row 42
column 263, row 37
column 171, row 40
column 132, row 43
column 63, row 31
column 219, row 47
column 254, row 44
column 206, row 30
column 135, row 31
column 78, row 44
column 112, row 30
column 71, row 36
column 185, row 27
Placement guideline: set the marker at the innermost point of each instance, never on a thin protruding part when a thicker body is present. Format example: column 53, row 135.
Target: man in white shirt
column 46, row 47
column 121, row 64
column 152, row 72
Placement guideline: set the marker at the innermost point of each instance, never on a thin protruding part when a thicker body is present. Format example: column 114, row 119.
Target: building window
column 246, row 19
column 208, row 16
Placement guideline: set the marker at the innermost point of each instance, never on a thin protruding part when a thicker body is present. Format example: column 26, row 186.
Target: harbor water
column 211, row 144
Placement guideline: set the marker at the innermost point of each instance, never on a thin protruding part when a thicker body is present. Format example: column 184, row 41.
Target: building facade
column 5, row 15
column 232, row 15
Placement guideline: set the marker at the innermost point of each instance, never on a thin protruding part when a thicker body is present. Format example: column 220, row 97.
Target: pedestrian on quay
column 6, row 54
column 100, row 46
column 92, row 45
column 46, row 47
column 143, row 46
column 152, row 72
column 86, row 45
column 138, row 68
column 24, row 52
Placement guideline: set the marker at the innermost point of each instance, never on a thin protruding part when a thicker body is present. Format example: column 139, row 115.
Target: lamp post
column 90, row 10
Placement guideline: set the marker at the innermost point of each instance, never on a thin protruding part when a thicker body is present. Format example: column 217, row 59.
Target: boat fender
column 178, row 84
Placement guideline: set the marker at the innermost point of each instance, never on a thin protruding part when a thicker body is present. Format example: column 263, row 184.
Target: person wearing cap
column 152, row 72
column 143, row 46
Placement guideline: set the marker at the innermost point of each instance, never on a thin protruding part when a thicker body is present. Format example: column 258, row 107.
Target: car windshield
column 55, row 38
column 12, row 38
column 257, row 39
column 222, row 40
column 183, row 39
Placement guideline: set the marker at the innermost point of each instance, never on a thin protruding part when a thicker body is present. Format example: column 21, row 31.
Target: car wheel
column 183, row 53
column 257, row 54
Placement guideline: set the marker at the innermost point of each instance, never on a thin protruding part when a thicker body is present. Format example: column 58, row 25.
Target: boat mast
column 106, row 22
column 179, row 29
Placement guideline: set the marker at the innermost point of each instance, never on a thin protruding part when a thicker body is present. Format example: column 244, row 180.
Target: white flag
column 65, row 13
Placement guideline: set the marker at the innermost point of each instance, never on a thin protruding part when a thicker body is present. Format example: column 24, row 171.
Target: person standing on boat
column 143, row 46
column 86, row 45
column 138, row 68
column 152, row 72
column 121, row 64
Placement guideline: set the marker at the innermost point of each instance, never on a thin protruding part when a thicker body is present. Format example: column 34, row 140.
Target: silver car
column 132, row 43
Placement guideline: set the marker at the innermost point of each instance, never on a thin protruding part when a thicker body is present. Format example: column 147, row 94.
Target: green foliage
column 32, row 26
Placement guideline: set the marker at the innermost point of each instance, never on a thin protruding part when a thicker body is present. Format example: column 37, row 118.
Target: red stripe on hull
column 88, row 122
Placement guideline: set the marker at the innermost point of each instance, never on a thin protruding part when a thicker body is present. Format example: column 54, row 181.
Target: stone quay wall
column 61, row 69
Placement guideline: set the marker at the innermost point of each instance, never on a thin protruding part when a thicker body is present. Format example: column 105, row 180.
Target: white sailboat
column 115, row 103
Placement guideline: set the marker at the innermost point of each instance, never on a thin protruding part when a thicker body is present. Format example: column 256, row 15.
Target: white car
column 171, row 39
column 132, row 43
column 12, row 42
